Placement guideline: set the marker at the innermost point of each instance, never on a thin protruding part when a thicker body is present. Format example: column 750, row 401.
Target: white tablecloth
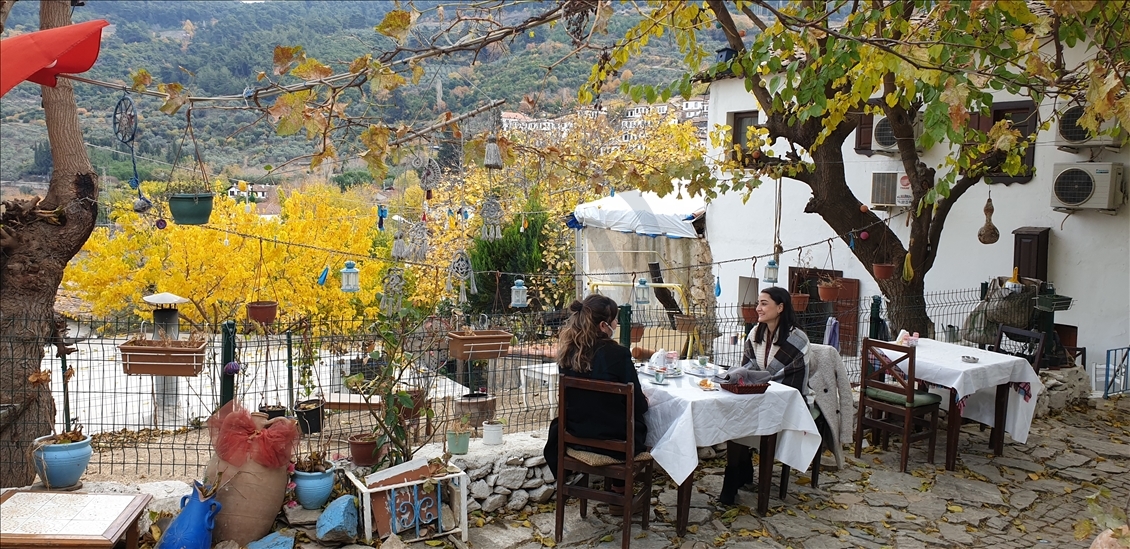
column 681, row 417
column 940, row 363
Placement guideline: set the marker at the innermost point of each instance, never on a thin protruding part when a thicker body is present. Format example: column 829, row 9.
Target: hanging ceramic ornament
column 717, row 286
column 462, row 270
column 323, row 276
column 399, row 242
column 429, row 178
column 988, row 233
column 417, row 242
column 393, row 284
column 382, row 213
column 491, row 212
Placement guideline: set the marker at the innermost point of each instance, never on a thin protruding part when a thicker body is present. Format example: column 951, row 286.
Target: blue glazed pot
column 192, row 529
column 312, row 490
column 61, row 465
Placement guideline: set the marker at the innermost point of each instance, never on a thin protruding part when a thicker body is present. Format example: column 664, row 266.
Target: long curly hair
column 577, row 343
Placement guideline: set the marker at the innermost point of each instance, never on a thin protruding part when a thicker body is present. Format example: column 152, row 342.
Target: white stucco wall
column 1089, row 252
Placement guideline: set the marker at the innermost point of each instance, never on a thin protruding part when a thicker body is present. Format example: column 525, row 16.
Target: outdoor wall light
column 350, row 278
column 518, row 294
column 642, row 293
column 771, row 272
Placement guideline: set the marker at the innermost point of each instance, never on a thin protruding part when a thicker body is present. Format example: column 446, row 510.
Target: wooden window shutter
column 863, row 134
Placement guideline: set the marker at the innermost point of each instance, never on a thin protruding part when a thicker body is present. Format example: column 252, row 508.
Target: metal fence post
column 66, row 392
column 227, row 355
column 625, row 325
column 876, row 310
column 290, row 369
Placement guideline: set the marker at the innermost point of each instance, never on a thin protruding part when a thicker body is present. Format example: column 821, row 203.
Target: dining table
column 988, row 387
column 682, row 417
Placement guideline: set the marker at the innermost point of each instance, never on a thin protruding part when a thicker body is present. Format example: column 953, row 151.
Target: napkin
column 743, row 376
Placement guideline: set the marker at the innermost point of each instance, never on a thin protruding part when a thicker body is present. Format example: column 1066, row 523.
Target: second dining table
column 682, row 417
column 994, row 389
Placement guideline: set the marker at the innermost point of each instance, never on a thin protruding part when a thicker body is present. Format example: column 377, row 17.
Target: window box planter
column 395, row 500
column 481, row 344
column 163, row 358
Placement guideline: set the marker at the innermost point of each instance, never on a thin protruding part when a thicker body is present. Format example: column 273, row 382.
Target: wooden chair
column 887, row 389
column 1026, row 344
column 569, row 459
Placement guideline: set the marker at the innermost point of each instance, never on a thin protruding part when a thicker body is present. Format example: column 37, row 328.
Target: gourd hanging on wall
column 464, row 272
column 988, row 234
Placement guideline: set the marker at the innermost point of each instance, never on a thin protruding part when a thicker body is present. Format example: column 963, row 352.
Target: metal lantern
column 492, row 158
column 642, row 293
column 771, row 272
column 518, row 294
column 350, row 278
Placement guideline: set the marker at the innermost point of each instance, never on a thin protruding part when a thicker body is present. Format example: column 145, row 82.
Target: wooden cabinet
column 1030, row 252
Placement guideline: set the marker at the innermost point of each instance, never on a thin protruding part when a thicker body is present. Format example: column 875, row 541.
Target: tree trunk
column 32, row 269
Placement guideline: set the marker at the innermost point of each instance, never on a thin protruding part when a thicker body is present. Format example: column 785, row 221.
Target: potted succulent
column 459, row 435
column 61, row 459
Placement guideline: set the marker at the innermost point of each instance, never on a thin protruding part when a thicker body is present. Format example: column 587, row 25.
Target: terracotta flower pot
column 363, row 450
column 685, row 323
column 800, row 302
column 828, row 293
column 749, row 314
column 636, row 333
column 884, row 271
column 263, row 312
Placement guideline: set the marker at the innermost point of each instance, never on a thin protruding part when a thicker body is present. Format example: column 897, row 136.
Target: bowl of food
column 969, row 359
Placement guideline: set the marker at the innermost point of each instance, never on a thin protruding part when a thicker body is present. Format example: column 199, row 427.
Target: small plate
column 653, row 382
column 970, row 359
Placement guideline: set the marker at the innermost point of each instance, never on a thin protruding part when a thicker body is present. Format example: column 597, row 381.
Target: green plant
column 460, row 425
column 187, row 186
column 495, row 421
column 1112, row 523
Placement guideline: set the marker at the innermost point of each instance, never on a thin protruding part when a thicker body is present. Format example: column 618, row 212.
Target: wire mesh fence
column 155, row 425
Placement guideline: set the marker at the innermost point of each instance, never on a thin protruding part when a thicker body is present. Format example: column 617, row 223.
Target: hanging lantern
column 642, row 293
column 350, row 278
column 518, row 294
column 771, row 272
column 492, row 159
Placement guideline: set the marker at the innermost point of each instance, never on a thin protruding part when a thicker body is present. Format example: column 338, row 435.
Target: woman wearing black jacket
column 586, row 349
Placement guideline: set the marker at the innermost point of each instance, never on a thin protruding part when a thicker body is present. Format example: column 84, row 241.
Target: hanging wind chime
column 125, row 129
column 429, row 178
column 400, row 242
column 393, row 284
column 491, row 210
column 463, row 271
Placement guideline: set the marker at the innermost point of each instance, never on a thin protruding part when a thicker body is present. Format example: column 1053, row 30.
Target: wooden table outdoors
column 681, row 417
column 69, row 519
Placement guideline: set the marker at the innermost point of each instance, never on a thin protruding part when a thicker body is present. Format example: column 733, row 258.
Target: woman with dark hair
column 586, row 348
column 778, row 347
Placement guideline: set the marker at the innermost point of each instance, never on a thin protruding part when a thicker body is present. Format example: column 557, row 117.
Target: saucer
column 653, row 382
column 970, row 359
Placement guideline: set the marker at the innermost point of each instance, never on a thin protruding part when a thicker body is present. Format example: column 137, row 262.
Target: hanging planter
column 191, row 208
column 829, row 291
column 163, row 357
column 635, row 333
column 479, row 344
column 749, row 314
column 883, row 271
column 685, row 323
column 800, row 302
column 263, row 312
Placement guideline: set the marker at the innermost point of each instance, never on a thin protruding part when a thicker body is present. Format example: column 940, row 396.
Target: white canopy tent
column 643, row 213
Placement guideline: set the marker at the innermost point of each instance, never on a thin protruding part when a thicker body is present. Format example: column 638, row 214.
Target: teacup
column 660, row 375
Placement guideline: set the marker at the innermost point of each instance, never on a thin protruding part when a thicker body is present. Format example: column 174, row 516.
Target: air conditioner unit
column 883, row 139
column 1070, row 136
column 1088, row 186
column 890, row 189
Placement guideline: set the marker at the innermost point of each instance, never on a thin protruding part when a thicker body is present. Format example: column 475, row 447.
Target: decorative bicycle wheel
column 125, row 120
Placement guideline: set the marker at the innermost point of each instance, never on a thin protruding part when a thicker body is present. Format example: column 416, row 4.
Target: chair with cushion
column 889, row 402
column 570, row 459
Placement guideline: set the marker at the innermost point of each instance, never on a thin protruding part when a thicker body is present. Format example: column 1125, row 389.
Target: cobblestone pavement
column 1032, row 496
